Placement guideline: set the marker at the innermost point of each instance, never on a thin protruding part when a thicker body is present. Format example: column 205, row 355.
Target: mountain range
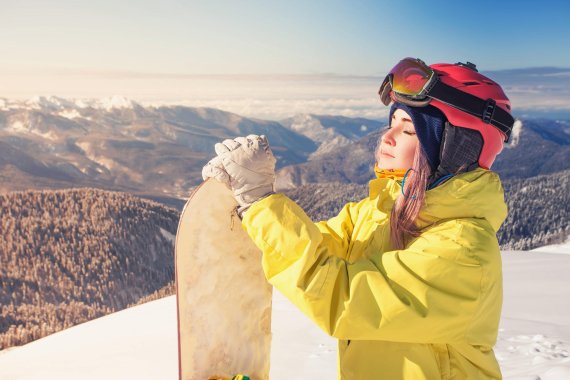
column 117, row 144
column 158, row 152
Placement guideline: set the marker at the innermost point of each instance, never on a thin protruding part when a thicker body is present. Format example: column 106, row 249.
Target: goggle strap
column 483, row 109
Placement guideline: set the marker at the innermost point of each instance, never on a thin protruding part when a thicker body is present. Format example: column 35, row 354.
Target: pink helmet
column 467, row 98
column 464, row 77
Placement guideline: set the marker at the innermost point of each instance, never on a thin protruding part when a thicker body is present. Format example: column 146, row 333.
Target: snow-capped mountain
column 351, row 163
column 118, row 144
column 58, row 104
column 330, row 132
column 141, row 342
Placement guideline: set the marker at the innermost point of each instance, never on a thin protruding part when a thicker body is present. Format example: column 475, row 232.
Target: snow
column 71, row 114
column 328, row 138
column 82, row 103
column 167, row 235
column 563, row 248
column 311, row 128
column 141, row 342
column 39, row 102
column 329, row 146
column 67, row 107
column 299, row 350
column 49, row 102
column 21, row 128
column 515, row 134
column 115, row 102
column 17, row 127
column 534, row 339
column 49, row 135
column 136, row 343
column 107, row 163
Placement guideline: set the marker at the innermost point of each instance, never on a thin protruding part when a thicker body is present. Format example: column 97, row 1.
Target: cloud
column 277, row 109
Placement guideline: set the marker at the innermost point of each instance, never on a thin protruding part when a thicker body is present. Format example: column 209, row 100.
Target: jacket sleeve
column 428, row 292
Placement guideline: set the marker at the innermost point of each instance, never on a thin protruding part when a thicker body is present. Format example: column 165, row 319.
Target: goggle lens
column 410, row 77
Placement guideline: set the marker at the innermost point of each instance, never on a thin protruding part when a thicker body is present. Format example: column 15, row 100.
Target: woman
column 409, row 279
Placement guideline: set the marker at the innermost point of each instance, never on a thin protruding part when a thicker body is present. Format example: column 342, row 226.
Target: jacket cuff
column 242, row 209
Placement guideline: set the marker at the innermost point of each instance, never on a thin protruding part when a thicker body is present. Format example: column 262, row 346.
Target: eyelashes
column 410, row 133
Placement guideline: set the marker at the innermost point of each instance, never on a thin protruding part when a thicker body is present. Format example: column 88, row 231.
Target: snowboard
column 223, row 298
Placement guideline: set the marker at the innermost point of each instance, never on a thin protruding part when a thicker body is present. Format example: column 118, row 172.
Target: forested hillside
column 539, row 207
column 69, row 256
column 539, row 211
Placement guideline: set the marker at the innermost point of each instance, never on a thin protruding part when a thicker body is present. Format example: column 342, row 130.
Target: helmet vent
column 470, row 83
column 508, row 106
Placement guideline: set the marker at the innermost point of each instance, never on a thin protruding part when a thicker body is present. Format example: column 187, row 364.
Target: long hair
column 407, row 207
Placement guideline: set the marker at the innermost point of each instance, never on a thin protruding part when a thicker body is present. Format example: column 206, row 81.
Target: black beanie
column 429, row 123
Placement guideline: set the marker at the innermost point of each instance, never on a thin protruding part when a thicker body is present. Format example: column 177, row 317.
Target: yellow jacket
column 430, row 311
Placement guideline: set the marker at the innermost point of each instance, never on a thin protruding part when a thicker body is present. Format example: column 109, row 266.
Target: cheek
column 410, row 151
column 377, row 153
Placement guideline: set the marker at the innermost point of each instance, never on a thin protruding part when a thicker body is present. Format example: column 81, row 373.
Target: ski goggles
column 414, row 83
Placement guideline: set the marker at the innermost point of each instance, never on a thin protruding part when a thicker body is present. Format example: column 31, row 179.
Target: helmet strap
column 487, row 110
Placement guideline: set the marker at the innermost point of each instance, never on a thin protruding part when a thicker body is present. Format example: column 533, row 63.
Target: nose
column 388, row 137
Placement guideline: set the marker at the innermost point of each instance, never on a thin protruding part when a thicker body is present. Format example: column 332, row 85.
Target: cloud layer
column 532, row 91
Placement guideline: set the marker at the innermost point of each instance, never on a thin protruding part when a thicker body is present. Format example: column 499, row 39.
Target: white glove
column 246, row 165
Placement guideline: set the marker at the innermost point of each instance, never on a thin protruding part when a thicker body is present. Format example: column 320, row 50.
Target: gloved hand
column 246, row 165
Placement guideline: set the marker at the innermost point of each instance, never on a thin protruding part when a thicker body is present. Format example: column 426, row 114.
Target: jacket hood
column 474, row 194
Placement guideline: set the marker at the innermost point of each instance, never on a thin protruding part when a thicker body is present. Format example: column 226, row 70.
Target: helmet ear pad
column 459, row 151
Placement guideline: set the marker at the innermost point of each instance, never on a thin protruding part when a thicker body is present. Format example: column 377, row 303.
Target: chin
column 384, row 164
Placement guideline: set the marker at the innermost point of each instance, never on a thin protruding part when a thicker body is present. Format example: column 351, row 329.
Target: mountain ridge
column 150, row 150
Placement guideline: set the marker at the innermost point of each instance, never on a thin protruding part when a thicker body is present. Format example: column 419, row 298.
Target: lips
column 386, row 154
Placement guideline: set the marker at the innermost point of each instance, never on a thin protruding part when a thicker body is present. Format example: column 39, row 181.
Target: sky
column 226, row 53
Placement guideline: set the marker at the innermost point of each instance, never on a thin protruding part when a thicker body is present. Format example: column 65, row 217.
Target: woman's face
column 398, row 144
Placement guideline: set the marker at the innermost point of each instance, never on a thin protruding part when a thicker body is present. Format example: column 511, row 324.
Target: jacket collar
column 474, row 194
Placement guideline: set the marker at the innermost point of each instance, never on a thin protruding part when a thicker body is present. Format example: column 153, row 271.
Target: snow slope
column 140, row 342
column 136, row 343
column 563, row 248
column 534, row 335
